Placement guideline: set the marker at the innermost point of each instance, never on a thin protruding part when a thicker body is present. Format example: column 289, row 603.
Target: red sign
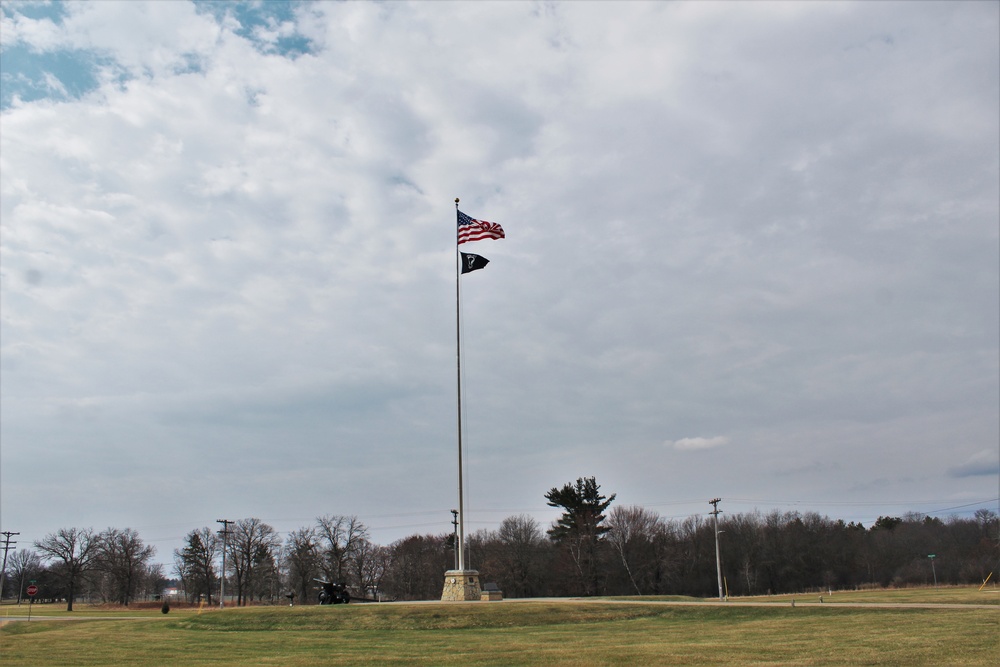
column 32, row 590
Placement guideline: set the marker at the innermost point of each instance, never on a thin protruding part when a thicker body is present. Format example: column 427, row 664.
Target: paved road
column 103, row 617
column 811, row 603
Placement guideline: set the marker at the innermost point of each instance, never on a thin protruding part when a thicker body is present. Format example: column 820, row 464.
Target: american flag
column 470, row 229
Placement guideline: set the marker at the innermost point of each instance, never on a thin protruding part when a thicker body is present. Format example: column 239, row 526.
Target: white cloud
column 983, row 463
column 698, row 443
column 40, row 34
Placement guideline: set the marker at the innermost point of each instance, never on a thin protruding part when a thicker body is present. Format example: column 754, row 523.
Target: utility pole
column 933, row 571
column 6, row 547
column 225, row 543
column 454, row 522
column 718, row 562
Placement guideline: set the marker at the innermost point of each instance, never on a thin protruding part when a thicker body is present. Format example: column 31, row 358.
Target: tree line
column 111, row 566
column 591, row 549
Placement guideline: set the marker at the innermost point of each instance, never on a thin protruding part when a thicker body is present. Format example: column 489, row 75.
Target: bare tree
column 74, row 550
column 697, row 554
column 632, row 534
column 195, row 563
column 122, row 557
column 151, row 581
column 339, row 537
column 301, row 560
column 521, row 556
column 265, row 577
column 743, row 546
column 417, row 567
column 25, row 565
column 369, row 562
column 667, row 550
column 252, row 548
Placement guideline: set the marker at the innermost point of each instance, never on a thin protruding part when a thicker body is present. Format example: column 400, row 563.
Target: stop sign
column 32, row 590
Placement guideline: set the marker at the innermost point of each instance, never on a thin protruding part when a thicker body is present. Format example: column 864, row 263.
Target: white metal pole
column 458, row 356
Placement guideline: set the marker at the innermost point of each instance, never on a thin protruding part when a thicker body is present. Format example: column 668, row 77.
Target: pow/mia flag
column 472, row 262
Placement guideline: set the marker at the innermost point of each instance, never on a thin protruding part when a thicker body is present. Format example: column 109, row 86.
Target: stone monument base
column 461, row 585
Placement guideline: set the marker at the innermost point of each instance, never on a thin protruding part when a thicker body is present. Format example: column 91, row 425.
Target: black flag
column 472, row 262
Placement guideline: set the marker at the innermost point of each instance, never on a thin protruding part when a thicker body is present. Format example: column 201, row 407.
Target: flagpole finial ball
column 456, row 200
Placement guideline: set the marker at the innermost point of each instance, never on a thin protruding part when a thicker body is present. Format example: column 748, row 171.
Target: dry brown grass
column 542, row 632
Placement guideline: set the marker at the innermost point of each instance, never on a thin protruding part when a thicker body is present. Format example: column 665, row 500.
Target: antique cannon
column 333, row 593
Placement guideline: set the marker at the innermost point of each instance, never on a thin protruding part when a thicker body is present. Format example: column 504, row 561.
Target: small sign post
column 31, row 591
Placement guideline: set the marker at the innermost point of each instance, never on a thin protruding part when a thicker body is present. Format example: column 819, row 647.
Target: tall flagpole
column 460, row 583
column 458, row 350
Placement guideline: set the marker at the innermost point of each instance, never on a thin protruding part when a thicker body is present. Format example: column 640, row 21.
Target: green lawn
column 541, row 632
column 940, row 595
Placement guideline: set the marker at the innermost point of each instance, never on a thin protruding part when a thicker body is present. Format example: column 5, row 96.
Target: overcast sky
column 752, row 253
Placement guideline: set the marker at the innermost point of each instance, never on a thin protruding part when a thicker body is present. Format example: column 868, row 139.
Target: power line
column 714, row 502
column 842, row 503
column 7, row 542
column 222, row 580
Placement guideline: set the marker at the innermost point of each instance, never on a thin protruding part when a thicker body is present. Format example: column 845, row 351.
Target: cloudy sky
column 752, row 253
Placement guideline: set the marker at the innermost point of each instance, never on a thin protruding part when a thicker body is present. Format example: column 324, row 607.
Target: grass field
column 532, row 632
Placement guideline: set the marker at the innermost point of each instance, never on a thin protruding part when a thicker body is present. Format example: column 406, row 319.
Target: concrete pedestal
column 460, row 585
